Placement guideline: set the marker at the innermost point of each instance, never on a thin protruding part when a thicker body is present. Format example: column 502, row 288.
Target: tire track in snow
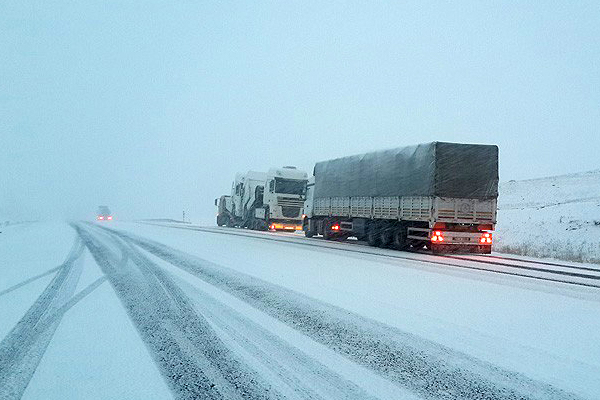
column 422, row 366
column 302, row 376
column 190, row 355
column 24, row 346
column 28, row 281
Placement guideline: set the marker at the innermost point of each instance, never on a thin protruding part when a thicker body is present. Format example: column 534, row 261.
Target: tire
column 373, row 235
column 305, row 226
column 387, row 237
column 400, row 241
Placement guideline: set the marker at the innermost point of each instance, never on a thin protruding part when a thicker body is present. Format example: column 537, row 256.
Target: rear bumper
column 286, row 226
column 479, row 241
column 461, row 238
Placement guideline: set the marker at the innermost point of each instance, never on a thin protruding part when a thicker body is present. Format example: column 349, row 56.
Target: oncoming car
column 103, row 214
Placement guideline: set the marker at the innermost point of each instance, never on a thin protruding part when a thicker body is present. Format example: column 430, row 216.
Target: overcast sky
column 150, row 107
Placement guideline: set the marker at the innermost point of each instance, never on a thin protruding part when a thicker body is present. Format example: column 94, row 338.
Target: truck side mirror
column 216, row 201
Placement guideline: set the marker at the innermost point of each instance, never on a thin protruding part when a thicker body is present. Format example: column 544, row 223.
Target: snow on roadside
column 557, row 217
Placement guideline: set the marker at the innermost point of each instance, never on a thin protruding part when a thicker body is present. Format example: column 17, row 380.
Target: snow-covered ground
column 92, row 351
column 156, row 312
column 555, row 217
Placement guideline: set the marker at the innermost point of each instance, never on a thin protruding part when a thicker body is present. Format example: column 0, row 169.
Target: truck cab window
column 290, row 186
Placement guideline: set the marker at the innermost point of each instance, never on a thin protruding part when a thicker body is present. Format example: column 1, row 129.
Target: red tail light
column 335, row 228
column 438, row 236
column 486, row 238
column 109, row 218
column 101, row 217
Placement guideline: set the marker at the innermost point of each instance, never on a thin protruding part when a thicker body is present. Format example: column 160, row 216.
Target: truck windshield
column 290, row 186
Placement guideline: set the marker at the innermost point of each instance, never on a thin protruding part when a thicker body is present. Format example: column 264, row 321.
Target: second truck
column 437, row 195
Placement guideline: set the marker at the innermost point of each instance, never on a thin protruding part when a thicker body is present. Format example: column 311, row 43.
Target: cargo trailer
column 441, row 196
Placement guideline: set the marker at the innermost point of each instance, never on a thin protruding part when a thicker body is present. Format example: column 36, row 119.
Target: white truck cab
column 272, row 200
column 285, row 191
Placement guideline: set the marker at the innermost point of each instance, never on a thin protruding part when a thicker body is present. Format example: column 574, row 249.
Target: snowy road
column 139, row 311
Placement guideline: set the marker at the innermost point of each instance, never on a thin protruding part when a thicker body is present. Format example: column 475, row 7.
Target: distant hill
column 557, row 216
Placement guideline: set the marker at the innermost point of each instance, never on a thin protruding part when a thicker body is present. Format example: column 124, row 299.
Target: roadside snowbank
column 556, row 217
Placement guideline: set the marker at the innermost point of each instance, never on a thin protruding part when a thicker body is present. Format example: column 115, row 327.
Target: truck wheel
column 373, row 235
column 400, row 240
column 309, row 232
column 306, row 228
column 387, row 236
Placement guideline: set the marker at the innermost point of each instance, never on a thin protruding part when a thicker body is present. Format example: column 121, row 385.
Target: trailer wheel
column 387, row 236
column 373, row 235
column 223, row 220
column 400, row 240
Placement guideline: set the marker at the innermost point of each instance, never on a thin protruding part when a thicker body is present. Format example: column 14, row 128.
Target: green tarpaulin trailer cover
column 430, row 169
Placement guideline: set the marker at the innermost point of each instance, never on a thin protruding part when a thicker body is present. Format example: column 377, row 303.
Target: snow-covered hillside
column 555, row 217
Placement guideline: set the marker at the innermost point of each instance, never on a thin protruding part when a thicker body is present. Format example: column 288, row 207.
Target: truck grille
column 290, row 207
column 290, row 202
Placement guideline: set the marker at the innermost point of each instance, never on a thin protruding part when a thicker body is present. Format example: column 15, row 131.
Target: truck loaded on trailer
column 437, row 195
column 272, row 200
